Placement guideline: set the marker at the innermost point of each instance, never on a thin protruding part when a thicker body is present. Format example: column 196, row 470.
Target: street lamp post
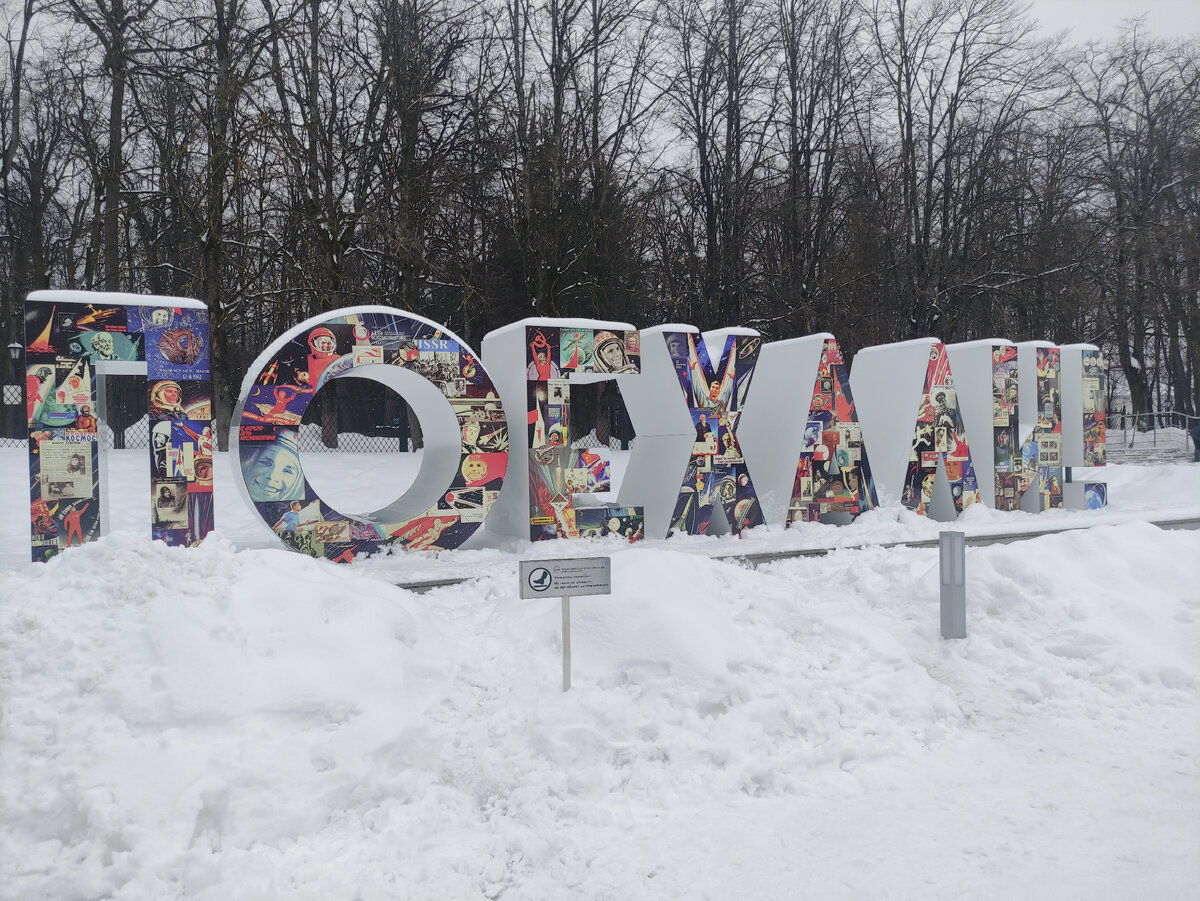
column 13, row 392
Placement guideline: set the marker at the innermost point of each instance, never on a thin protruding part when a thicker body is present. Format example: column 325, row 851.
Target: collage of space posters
column 940, row 436
column 269, row 446
column 833, row 474
column 556, row 469
column 1095, row 409
column 64, row 344
column 1095, row 418
column 716, row 472
column 1042, row 455
column 1012, row 480
column 1038, row 462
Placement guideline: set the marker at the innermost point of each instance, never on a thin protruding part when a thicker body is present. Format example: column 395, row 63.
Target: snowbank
column 244, row 723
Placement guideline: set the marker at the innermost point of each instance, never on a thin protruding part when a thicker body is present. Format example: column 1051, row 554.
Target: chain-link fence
column 12, row 416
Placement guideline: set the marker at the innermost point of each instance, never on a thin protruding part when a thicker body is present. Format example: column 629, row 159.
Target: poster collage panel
column 64, row 343
column 557, row 471
column 1095, row 409
column 1042, row 454
column 833, row 474
column 716, row 472
column 940, row 437
column 1095, row 418
column 181, row 428
column 269, row 447
column 1011, row 478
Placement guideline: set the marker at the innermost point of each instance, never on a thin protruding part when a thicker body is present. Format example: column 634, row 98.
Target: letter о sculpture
column 440, row 377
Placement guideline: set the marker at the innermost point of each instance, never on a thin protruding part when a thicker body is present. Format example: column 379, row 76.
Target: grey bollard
column 952, row 552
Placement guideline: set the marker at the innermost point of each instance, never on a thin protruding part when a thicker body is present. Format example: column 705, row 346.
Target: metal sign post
column 562, row 579
column 952, row 550
column 566, row 641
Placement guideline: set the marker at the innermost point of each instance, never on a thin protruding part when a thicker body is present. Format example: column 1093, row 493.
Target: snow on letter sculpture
column 74, row 340
column 462, row 419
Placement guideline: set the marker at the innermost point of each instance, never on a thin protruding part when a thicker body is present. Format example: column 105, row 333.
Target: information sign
column 565, row 577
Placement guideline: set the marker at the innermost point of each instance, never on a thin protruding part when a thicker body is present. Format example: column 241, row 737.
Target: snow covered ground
column 239, row 722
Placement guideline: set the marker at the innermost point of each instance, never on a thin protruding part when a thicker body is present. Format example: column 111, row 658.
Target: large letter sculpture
column 892, row 381
column 73, row 340
column 805, row 448
column 717, row 472
column 1095, row 409
column 833, row 474
column 1062, row 393
column 536, row 361
column 1038, row 459
column 1052, row 447
column 1085, row 409
column 398, row 349
column 1011, row 479
column 940, row 438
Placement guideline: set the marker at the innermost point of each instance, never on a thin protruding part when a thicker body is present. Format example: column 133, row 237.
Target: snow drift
column 228, row 722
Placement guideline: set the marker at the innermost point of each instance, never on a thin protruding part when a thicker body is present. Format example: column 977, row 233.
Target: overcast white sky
column 1091, row 20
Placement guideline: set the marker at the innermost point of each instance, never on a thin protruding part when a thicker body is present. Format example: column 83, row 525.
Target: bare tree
column 1143, row 98
column 818, row 77
column 16, row 39
column 114, row 24
column 579, row 96
column 722, row 104
column 958, row 75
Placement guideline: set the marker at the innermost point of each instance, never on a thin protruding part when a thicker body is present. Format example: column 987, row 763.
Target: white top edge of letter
column 117, row 298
